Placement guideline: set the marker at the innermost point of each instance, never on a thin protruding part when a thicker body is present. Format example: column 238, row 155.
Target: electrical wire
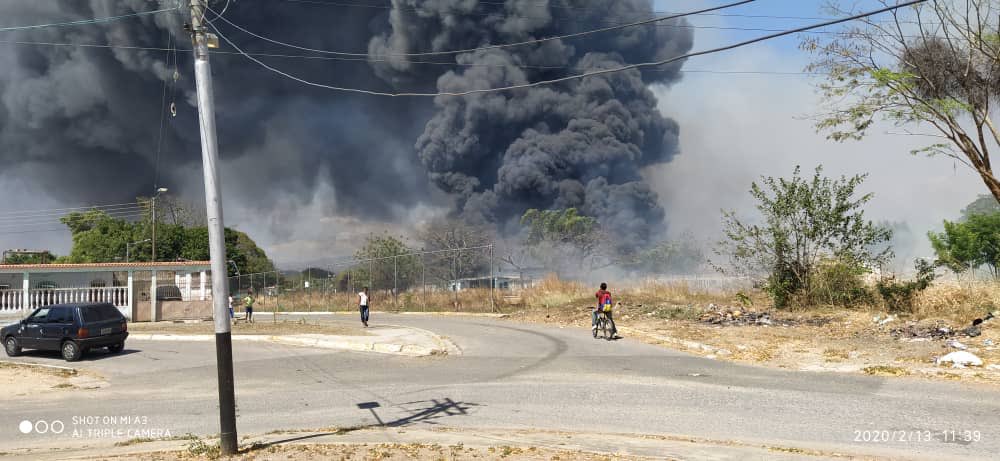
column 163, row 115
column 336, row 58
column 487, row 47
column 558, row 7
column 570, row 8
column 56, row 219
column 569, row 77
column 221, row 12
column 68, row 210
column 89, row 21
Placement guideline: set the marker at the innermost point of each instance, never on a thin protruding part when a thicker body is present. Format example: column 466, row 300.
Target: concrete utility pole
column 153, row 208
column 216, row 240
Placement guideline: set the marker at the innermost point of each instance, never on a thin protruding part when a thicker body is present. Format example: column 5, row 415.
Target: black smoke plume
column 83, row 121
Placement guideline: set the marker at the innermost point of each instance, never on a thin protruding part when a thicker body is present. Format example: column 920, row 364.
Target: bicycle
column 602, row 326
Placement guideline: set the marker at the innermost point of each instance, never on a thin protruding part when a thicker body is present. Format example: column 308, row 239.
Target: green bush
column 899, row 296
column 839, row 282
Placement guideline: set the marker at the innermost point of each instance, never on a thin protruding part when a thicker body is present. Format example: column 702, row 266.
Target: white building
column 182, row 289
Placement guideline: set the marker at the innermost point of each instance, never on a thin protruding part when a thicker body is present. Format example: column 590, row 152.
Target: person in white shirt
column 363, row 306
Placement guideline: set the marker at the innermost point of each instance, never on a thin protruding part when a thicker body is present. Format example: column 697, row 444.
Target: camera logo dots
column 42, row 427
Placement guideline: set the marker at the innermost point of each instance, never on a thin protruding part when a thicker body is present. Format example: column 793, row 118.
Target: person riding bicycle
column 603, row 305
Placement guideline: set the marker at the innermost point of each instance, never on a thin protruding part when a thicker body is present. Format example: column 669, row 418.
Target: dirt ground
column 833, row 340
column 380, row 452
column 265, row 326
column 24, row 380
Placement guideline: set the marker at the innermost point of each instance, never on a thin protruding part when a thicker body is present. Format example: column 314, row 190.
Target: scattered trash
column 993, row 367
column 742, row 347
column 717, row 315
column 723, row 352
column 960, row 359
column 880, row 321
column 987, row 342
column 912, row 330
column 853, row 354
column 957, row 345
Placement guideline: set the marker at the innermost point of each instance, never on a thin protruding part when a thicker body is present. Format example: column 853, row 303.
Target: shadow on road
column 88, row 356
column 423, row 411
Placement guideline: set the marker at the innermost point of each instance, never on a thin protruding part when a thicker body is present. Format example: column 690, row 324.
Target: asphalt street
column 514, row 376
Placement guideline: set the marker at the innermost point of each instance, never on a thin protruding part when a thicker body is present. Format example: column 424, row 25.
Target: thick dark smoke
column 83, row 121
column 579, row 144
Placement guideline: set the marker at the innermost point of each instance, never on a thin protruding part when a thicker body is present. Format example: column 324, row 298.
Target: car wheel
column 70, row 351
column 116, row 348
column 12, row 346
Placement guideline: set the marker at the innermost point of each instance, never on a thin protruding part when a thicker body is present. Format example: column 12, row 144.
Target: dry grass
column 379, row 452
column 884, row 370
column 958, row 301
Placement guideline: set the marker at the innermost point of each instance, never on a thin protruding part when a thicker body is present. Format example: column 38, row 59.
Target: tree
column 680, row 256
column 937, row 67
column 984, row 204
column 969, row 244
column 803, row 222
column 565, row 240
column 43, row 257
column 98, row 237
column 455, row 249
column 387, row 262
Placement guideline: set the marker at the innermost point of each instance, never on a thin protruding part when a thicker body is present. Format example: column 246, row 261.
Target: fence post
column 454, row 272
column 493, row 282
column 395, row 283
column 423, row 279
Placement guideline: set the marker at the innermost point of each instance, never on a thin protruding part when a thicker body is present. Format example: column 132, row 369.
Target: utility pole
column 156, row 194
column 216, row 241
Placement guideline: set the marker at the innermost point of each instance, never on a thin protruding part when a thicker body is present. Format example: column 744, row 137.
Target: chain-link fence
column 462, row 280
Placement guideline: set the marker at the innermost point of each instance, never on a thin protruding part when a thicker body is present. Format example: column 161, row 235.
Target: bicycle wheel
column 604, row 327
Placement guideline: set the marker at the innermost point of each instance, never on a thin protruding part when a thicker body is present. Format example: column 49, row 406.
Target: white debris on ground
column 960, row 359
column 957, row 345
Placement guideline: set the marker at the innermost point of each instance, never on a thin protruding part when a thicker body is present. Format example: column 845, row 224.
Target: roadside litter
column 957, row 345
column 960, row 359
column 719, row 315
column 915, row 332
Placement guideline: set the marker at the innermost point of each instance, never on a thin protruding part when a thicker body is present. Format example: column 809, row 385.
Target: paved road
column 517, row 376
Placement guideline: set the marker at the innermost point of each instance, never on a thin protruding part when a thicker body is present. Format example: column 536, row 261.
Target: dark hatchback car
column 70, row 328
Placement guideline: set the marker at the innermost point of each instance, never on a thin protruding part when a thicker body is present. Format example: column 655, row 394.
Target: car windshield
column 41, row 316
column 100, row 313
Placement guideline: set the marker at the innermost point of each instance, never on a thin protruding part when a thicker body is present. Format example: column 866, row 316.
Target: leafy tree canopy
column 802, row 222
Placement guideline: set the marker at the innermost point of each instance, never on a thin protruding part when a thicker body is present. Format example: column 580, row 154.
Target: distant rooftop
column 105, row 267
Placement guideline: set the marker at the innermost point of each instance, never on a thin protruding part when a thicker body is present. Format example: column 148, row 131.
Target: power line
column 69, row 210
column 54, row 220
column 88, row 21
column 568, row 8
column 362, row 60
column 570, row 77
column 33, row 231
column 487, row 47
column 558, row 7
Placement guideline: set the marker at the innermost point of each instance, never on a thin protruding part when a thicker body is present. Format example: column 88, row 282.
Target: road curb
column 328, row 342
column 444, row 314
column 669, row 339
column 69, row 370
